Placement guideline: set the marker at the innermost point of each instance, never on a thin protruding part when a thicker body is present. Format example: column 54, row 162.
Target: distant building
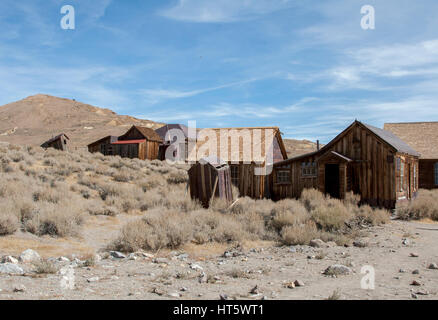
column 423, row 137
column 370, row 162
column 104, row 145
column 138, row 142
column 60, row 142
column 179, row 151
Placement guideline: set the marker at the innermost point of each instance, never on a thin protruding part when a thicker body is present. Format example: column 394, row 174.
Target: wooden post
column 214, row 191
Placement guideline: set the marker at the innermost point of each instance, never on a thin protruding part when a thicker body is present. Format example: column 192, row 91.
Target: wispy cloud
column 202, row 11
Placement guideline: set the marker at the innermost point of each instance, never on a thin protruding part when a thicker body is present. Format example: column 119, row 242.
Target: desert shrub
column 299, row 234
column 312, row 198
column 8, row 223
column 288, row 213
column 331, row 215
column 45, row 267
column 102, row 210
column 424, row 206
column 177, row 176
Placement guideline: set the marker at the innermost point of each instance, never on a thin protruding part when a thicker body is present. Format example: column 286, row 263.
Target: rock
column 183, row 289
column 433, row 266
column 132, row 256
column 264, row 298
column 254, row 290
column 414, row 296
column 182, row 256
column 202, row 278
column 29, row 256
column 292, row 250
column 416, row 271
column 360, row 243
column 422, row 293
column 194, row 266
column 93, row 279
column 310, row 257
column 289, row 285
column 298, row 283
column 174, row 295
column 9, row 259
column 97, row 257
column 337, row 269
column 117, row 255
column 405, row 242
column 10, row 268
column 402, row 271
column 63, row 259
column 317, row 243
column 19, row 288
column 331, row 244
column 414, row 255
column 144, row 254
column 160, row 261
column 114, row 278
column 415, row 283
column 223, row 296
column 158, row 291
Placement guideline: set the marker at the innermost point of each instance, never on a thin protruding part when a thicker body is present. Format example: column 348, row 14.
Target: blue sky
column 305, row 66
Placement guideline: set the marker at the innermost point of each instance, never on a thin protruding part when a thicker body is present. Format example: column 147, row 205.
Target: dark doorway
column 332, row 180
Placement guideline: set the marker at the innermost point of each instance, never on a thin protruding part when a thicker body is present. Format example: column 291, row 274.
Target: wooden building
column 209, row 178
column 138, row 142
column 423, row 137
column 366, row 160
column 247, row 151
column 60, row 142
column 179, row 151
column 103, row 145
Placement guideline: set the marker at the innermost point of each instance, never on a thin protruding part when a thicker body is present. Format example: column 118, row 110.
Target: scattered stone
column 158, row 291
column 254, row 290
column 132, row 256
column 337, row 269
column 29, row 256
column 416, row 271
column 10, row 268
column 194, row 266
column 117, row 255
column 217, row 278
column 264, row 298
column 9, row 259
column 298, row 283
column 415, row 283
column 310, row 257
column 144, row 254
column 433, row 266
column 402, row 271
column 422, row 293
column 202, row 278
column 19, row 288
column 114, row 278
column 97, row 258
column 331, row 244
column 360, row 244
column 182, row 256
column 160, row 261
column 93, row 279
column 223, row 296
column 414, row 296
column 289, row 285
column 174, row 295
column 405, row 242
column 183, row 289
column 317, row 243
column 292, row 250
column 414, row 255
column 63, row 259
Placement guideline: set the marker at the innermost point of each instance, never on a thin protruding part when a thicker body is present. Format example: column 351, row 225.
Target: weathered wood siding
column 427, row 173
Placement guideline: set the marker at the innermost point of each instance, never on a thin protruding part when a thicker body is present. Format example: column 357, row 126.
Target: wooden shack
column 423, row 137
column 138, row 142
column 366, row 160
column 246, row 151
column 179, row 151
column 60, row 142
column 210, row 178
column 103, row 145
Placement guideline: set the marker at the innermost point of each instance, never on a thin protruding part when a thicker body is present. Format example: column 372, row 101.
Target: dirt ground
column 178, row 274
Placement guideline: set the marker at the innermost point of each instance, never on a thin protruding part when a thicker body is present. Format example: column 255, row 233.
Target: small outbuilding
column 138, row 142
column 210, row 178
column 166, row 133
column 103, row 145
column 60, row 142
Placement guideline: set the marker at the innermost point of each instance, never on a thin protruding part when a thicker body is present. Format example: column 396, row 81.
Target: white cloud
column 223, row 10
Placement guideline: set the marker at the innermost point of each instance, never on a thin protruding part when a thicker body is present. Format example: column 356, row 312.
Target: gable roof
column 422, row 136
column 387, row 137
column 246, row 144
column 163, row 130
column 111, row 139
column 147, row 133
column 56, row 138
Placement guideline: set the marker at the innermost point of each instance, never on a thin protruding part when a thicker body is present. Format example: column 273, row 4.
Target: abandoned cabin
column 423, row 137
column 60, row 142
column 104, row 145
column 370, row 162
column 246, row 157
column 138, row 142
column 210, row 178
column 167, row 135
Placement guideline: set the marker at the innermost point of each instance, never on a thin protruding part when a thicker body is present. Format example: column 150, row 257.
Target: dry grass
column 425, row 206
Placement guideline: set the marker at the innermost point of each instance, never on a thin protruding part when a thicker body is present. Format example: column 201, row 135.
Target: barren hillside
column 296, row 148
column 35, row 119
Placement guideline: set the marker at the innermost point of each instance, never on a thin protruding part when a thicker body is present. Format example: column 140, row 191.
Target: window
column 436, row 174
column 308, row 169
column 402, row 175
column 415, row 177
column 283, row 176
column 235, row 175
